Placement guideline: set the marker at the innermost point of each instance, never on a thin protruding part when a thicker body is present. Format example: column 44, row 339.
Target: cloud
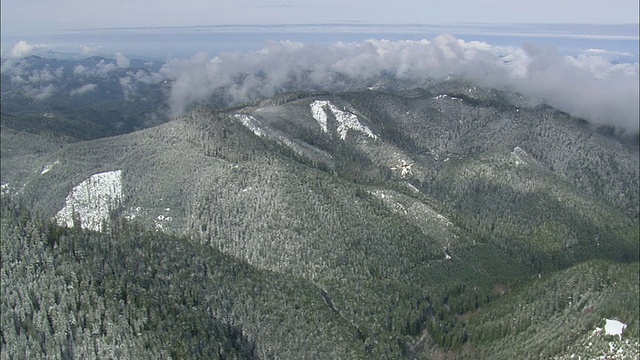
column 101, row 69
column 44, row 75
column 146, row 77
column 122, row 61
column 22, row 49
column 79, row 70
column 39, row 93
column 12, row 66
column 612, row 56
column 589, row 85
column 131, row 81
column 86, row 50
column 83, row 89
column 21, row 72
column 17, row 80
column 59, row 72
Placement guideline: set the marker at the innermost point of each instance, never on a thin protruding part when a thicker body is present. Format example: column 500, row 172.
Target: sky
column 20, row 16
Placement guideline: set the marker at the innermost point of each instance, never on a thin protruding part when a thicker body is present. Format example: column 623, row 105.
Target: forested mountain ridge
column 411, row 212
column 132, row 293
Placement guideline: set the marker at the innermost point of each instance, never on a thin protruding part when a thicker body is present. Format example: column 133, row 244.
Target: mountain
column 399, row 223
column 81, row 99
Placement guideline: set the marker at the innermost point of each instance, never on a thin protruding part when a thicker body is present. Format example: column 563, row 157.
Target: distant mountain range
column 443, row 221
column 81, row 100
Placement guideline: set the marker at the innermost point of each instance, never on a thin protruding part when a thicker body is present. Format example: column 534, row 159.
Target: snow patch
column 48, row 167
column 345, row 119
column 132, row 213
column 92, row 200
column 413, row 188
column 445, row 96
column 162, row 221
column 418, row 209
column 404, row 167
column 318, row 113
column 262, row 130
column 614, row 327
column 251, row 123
column 521, row 156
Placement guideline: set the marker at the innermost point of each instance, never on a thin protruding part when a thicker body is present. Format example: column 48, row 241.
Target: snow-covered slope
column 251, row 123
column 92, row 200
column 346, row 120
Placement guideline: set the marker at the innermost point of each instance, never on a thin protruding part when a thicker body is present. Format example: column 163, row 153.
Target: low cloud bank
column 589, row 85
column 597, row 85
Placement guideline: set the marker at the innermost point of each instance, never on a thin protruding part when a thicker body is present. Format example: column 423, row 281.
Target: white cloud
column 146, row 77
column 12, row 66
column 39, row 93
column 122, row 61
column 102, row 69
column 79, row 70
column 22, row 49
column 86, row 50
column 21, row 72
column 83, row 89
column 17, row 80
column 128, row 88
column 588, row 85
column 130, row 82
column 44, row 75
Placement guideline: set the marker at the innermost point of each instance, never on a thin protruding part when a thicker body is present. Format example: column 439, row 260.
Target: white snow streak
column 317, row 110
column 445, row 96
column 345, row 119
column 48, row 167
column 521, row 156
column 251, row 123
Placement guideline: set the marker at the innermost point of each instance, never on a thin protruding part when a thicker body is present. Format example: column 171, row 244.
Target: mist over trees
column 594, row 84
column 587, row 86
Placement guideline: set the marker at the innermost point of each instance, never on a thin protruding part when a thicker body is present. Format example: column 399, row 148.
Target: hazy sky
column 21, row 16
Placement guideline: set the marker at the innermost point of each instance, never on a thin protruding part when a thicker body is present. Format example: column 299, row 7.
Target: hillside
column 413, row 219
